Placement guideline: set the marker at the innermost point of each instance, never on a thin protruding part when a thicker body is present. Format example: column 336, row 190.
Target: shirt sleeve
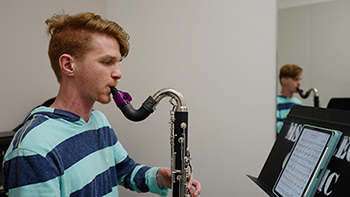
column 134, row 176
column 151, row 182
column 28, row 174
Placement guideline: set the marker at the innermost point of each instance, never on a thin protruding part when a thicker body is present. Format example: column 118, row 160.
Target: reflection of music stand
column 298, row 116
column 339, row 103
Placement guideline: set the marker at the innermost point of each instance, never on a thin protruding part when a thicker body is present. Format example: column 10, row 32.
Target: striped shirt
column 57, row 153
column 284, row 104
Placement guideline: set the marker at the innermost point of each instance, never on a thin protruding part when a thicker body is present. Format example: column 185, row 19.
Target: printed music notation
column 301, row 164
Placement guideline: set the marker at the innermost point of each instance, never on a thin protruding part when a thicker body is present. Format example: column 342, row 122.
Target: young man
column 69, row 149
column 290, row 77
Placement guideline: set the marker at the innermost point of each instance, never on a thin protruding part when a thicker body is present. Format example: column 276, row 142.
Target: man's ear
column 283, row 80
column 67, row 65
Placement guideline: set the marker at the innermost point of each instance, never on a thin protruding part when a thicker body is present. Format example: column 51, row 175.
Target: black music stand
column 337, row 177
column 339, row 103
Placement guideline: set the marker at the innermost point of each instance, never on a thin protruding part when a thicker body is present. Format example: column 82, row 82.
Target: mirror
column 315, row 35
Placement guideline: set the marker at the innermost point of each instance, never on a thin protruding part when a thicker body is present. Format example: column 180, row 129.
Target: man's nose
column 117, row 73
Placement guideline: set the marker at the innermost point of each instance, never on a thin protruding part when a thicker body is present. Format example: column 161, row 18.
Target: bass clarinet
column 181, row 168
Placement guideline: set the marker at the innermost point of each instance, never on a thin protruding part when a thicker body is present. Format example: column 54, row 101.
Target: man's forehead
column 106, row 46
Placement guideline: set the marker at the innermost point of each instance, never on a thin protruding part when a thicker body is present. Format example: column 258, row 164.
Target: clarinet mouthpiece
column 300, row 90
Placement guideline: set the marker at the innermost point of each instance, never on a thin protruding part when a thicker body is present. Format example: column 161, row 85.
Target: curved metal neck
column 315, row 91
column 177, row 96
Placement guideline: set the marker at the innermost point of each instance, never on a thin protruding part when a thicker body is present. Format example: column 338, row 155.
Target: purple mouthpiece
column 120, row 98
column 300, row 90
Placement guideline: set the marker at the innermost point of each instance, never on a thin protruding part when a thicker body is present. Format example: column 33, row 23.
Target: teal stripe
column 94, row 169
column 132, row 182
column 19, row 153
column 48, row 188
column 279, row 126
column 282, row 114
column 119, row 153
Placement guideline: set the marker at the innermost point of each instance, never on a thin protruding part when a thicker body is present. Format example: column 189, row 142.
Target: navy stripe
column 126, row 167
column 100, row 186
column 140, row 179
column 81, row 145
column 283, row 106
column 27, row 170
column 24, row 130
column 280, row 119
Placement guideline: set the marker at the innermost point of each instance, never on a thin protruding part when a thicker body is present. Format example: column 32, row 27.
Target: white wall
column 26, row 77
column 221, row 55
column 316, row 37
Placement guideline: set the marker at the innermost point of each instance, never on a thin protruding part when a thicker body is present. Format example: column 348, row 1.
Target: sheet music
column 302, row 163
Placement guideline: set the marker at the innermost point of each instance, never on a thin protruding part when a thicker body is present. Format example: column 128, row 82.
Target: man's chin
column 105, row 100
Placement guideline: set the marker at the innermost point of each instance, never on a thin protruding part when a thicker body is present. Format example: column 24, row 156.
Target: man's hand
column 164, row 179
column 194, row 186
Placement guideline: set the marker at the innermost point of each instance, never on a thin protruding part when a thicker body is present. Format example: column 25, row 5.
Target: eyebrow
column 111, row 57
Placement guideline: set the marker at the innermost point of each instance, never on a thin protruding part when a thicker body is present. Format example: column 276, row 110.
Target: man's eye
column 108, row 62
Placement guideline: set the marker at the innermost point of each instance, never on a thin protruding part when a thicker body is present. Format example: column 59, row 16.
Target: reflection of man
column 290, row 77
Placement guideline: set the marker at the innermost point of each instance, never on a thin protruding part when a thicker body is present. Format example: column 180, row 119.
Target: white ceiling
column 294, row 3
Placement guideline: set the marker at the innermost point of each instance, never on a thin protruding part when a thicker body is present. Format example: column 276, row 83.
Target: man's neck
column 71, row 101
column 286, row 93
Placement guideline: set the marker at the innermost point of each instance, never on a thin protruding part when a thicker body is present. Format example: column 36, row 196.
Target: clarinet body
column 180, row 156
